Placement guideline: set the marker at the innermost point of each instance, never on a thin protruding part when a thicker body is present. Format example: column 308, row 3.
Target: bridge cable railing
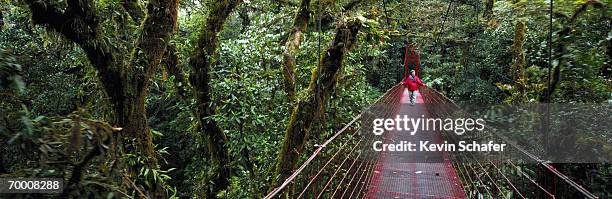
column 471, row 168
column 348, row 158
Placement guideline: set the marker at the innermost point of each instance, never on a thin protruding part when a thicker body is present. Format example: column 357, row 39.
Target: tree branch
column 582, row 8
column 1, row 19
column 157, row 30
column 287, row 2
column 171, row 63
column 200, row 61
column 292, row 46
column 561, row 48
column 134, row 10
column 79, row 25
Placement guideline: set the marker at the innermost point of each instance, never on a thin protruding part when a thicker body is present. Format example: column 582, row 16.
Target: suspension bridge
column 346, row 166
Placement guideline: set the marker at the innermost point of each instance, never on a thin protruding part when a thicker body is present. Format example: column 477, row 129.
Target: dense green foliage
column 54, row 110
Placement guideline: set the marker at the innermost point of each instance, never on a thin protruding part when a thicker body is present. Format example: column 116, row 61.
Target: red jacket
column 413, row 83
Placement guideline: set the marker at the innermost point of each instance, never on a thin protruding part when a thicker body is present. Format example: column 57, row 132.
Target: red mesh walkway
column 414, row 174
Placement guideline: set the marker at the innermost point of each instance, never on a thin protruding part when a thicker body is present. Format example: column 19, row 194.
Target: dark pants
column 413, row 96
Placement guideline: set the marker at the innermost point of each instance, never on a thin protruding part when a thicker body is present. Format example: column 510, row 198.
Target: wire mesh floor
column 414, row 174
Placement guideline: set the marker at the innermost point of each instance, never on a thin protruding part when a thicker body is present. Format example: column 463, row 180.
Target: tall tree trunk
column 1, row 19
column 292, row 46
column 518, row 63
column 465, row 52
column 606, row 70
column 307, row 110
column 201, row 64
column 244, row 17
column 488, row 12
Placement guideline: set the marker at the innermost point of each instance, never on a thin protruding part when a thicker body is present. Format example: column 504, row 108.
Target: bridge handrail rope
column 383, row 99
column 545, row 163
column 319, row 148
column 441, row 99
column 531, row 180
column 549, row 167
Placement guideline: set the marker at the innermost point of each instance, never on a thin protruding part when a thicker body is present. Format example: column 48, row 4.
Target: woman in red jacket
column 413, row 83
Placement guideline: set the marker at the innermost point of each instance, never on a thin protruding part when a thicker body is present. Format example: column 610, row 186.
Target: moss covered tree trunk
column 201, row 64
column 1, row 19
column 126, row 82
column 306, row 110
column 518, row 63
column 171, row 66
column 465, row 52
column 488, row 12
column 292, row 46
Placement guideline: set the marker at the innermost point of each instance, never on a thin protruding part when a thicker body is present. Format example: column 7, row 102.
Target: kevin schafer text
column 430, row 146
